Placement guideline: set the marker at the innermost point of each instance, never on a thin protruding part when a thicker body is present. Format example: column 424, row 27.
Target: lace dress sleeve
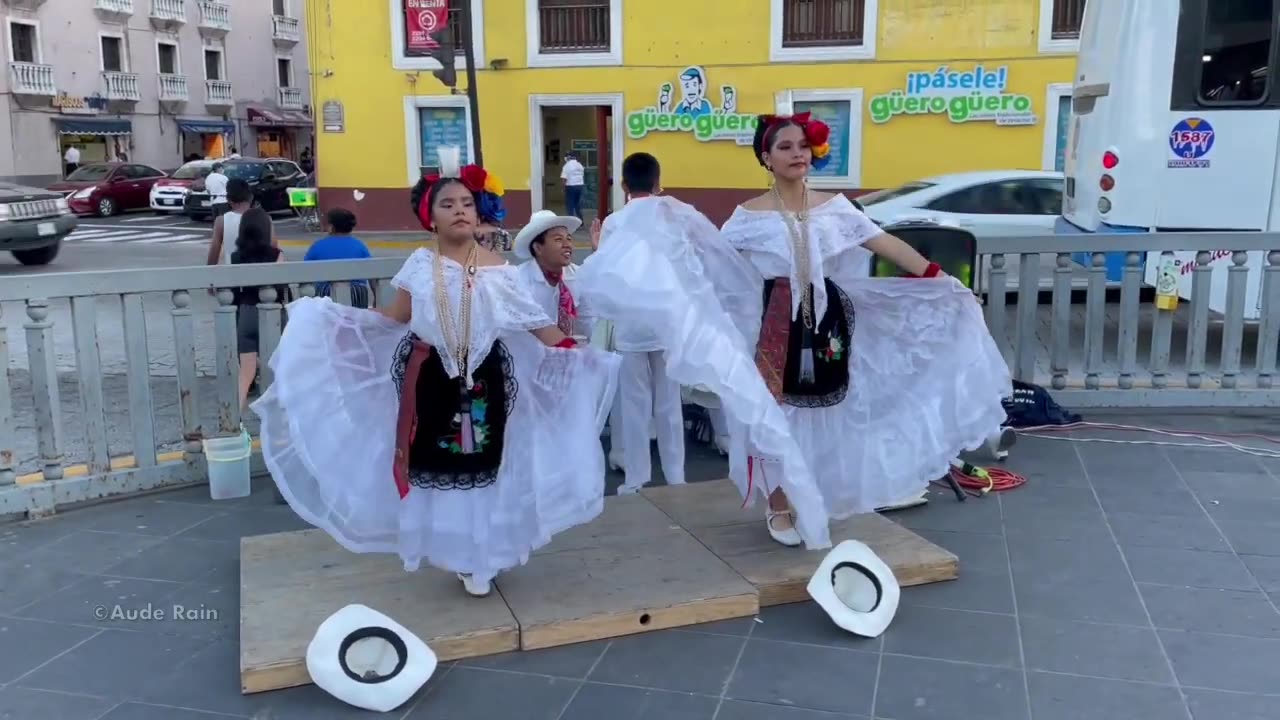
column 509, row 304
column 414, row 276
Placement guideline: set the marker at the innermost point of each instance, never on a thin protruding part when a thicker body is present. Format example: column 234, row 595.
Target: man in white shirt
column 573, row 175
column 215, row 183
column 545, row 244
column 71, row 159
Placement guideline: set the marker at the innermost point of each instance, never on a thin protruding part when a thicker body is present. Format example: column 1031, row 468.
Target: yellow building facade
column 911, row 89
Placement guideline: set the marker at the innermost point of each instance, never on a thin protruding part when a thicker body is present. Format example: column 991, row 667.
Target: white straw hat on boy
column 540, row 222
column 368, row 660
column 856, row 589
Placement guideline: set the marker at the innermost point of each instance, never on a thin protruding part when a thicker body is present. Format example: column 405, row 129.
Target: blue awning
column 93, row 126
column 207, row 127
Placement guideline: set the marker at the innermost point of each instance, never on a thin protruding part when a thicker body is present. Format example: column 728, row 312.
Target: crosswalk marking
column 145, row 235
column 154, row 218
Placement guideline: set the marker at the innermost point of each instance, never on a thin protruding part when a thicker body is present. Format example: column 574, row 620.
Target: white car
column 169, row 193
column 987, row 204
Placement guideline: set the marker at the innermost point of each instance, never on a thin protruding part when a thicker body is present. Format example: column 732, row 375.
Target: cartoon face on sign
column 1191, row 140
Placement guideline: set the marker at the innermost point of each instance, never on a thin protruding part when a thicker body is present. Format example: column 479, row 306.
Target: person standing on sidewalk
column 574, row 177
column 70, row 160
column 215, row 183
column 340, row 244
column 226, row 228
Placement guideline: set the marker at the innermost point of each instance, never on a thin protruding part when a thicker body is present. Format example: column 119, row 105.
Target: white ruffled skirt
column 926, row 383
column 329, row 436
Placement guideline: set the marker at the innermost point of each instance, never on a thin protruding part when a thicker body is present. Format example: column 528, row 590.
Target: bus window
column 1237, row 51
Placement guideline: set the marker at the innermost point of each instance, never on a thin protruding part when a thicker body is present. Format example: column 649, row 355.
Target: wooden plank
column 632, row 570
column 712, row 512
column 290, row 582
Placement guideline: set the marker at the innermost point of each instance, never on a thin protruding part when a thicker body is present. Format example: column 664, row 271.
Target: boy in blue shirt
column 340, row 244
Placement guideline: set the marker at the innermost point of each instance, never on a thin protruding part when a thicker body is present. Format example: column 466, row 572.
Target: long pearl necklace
column 458, row 343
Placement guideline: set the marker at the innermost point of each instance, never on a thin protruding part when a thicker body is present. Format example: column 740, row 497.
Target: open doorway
column 587, row 127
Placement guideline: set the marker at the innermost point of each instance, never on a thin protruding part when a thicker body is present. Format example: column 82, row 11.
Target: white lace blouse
column 837, row 231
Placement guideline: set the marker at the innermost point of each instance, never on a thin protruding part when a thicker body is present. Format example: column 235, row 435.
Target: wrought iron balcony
column 215, row 18
column 285, row 31
column 32, row 79
column 121, row 86
column 173, row 88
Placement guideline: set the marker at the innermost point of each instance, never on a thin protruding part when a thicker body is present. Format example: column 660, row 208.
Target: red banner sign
column 421, row 19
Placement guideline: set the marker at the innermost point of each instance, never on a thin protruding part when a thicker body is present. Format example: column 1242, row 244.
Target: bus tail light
column 1110, row 160
column 1106, row 182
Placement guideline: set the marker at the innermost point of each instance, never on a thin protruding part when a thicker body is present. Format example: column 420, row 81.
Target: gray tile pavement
column 1140, row 588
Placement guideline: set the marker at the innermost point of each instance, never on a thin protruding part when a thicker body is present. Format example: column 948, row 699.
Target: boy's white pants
column 647, row 395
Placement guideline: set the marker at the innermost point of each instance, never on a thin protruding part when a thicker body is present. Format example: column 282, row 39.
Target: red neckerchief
column 568, row 311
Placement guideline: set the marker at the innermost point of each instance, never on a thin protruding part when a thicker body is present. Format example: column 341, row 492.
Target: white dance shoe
column 474, row 587
column 789, row 537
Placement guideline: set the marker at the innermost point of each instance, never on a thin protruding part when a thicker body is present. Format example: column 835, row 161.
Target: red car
column 108, row 188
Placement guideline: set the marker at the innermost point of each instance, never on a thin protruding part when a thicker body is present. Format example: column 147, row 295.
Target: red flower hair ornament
column 485, row 186
column 816, row 133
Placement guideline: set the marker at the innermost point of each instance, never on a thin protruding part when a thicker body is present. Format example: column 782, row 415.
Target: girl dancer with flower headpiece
column 457, row 426
column 883, row 381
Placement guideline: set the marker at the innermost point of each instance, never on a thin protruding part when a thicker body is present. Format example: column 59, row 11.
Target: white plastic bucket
column 228, row 461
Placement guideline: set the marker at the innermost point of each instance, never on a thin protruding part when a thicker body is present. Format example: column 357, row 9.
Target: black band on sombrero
column 381, row 633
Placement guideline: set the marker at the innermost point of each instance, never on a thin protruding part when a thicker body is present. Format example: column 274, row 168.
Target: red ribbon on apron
column 407, row 418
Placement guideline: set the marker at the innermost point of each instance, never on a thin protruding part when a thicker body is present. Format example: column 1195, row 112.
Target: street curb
column 122, row 462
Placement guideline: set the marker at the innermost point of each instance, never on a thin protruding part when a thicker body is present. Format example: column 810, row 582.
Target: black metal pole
column 472, row 94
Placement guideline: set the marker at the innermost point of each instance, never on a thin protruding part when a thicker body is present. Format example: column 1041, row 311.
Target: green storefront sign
column 977, row 95
column 691, row 112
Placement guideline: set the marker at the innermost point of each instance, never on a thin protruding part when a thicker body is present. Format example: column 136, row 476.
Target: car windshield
column 90, row 173
column 191, row 171
column 243, row 171
column 880, row 196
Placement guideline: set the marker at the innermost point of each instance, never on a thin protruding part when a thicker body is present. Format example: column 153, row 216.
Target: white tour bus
column 1156, row 82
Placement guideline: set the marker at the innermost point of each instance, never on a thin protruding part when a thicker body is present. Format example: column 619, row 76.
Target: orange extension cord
column 977, row 481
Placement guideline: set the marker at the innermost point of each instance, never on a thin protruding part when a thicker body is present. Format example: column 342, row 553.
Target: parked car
column 270, row 179
column 33, row 223
column 987, row 204
column 168, row 194
column 108, row 188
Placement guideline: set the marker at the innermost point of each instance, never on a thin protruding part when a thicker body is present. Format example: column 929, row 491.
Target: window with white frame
column 167, row 61
column 573, row 33
column 24, row 41
column 111, row 49
column 432, row 122
column 214, row 69
column 1060, row 25
column 280, row 7
column 1057, row 116
column 841, row 110
column 284, row 72
column 816, row 30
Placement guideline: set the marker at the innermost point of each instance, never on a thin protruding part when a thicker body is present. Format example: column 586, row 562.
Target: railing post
column 184, row 357
column 84, row 327
column 1198, row 331
column 227, row 363
column 1060, row 354
column 1233, row 329
column 1268, row 334
column 1161, row 340
column 1028, row 306
column 1095, row 319
column 996, row 300
column 141, row 410
column 269, row 327
column 44, row 387
column 1129, row 287
column 8, row 441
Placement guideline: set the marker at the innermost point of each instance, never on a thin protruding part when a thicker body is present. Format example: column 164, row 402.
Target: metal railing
column 285, row 30
column 170, row 11
column 215, row 17
column 822, row 23
column 121, row 86
column 290, row 98
column 574, row 26
column 82, row 347
column 172, row 88
column 218, row 93
column 114, row 7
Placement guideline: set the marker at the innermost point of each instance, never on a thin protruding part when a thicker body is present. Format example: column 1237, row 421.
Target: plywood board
column 632, row 570
column 291, row 582
column 712, row 512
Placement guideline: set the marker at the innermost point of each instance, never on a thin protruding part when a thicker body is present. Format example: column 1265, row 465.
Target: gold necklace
column 799, row 250
column 457, row 343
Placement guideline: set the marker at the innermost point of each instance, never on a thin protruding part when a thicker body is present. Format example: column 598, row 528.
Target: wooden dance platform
column 668, row 557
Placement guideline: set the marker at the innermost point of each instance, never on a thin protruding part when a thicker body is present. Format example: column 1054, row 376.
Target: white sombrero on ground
column 856, row 589
column 368, row 660
column 540, row 222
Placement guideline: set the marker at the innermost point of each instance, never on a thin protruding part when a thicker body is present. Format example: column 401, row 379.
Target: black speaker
column 955, row 250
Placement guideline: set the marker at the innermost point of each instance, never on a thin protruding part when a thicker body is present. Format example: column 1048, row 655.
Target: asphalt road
column 144, row 239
